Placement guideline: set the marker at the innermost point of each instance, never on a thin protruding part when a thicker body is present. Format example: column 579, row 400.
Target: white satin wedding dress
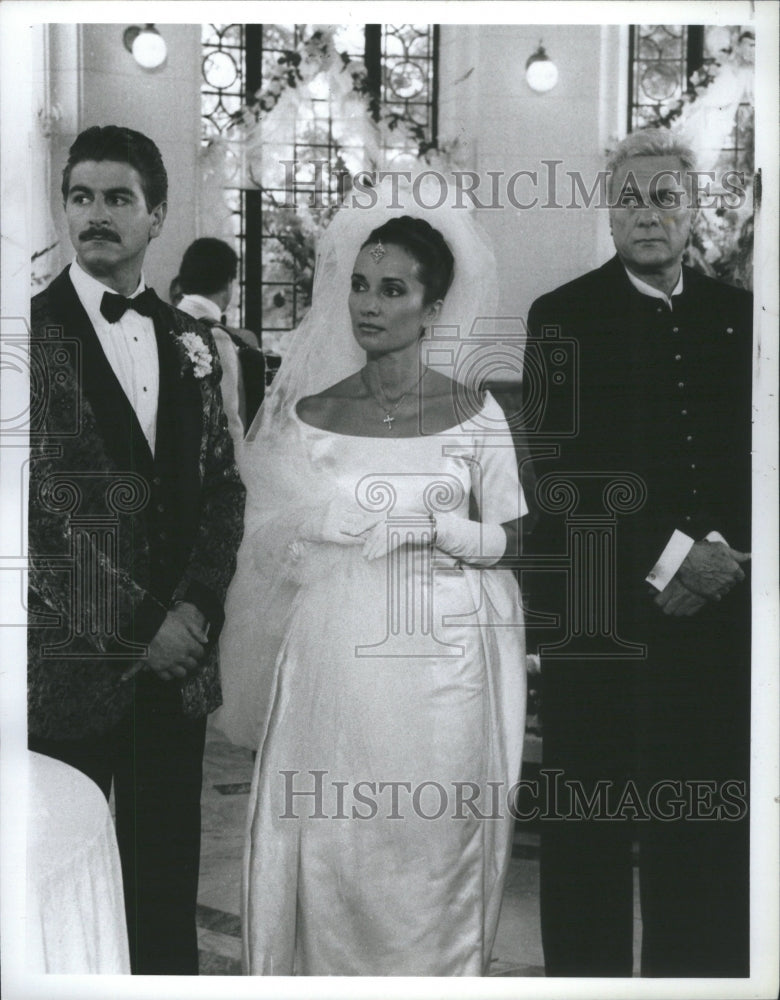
column 387, row 703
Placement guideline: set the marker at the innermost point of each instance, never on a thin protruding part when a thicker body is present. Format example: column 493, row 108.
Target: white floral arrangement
column 198, row 352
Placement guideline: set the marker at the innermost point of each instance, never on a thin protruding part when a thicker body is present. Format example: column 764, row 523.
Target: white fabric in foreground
column 75, row 907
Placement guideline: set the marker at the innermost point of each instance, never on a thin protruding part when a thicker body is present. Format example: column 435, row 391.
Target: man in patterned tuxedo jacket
column 135, row 516
column 652, row 684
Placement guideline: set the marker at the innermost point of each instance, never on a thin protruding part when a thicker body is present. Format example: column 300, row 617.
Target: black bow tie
column 113, row 307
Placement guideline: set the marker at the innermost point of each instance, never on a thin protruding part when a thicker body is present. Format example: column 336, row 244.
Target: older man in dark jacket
column 646, row 689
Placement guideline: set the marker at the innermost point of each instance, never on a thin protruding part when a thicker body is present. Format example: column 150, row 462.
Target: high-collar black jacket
column 116, row 534
column 627, row 390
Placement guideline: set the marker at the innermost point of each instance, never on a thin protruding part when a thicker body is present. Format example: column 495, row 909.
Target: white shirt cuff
column 672, row 557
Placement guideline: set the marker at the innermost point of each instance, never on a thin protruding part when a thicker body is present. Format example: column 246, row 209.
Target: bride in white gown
column 371, row 653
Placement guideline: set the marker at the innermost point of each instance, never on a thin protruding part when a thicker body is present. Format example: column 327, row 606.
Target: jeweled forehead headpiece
column 378, row 252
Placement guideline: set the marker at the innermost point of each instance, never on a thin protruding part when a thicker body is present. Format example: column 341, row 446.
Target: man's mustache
column 101, row 234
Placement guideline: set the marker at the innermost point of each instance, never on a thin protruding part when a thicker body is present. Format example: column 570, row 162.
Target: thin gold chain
column 388, row 412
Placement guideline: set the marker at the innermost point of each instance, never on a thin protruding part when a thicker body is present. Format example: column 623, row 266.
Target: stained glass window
column 408, row 82
column 659, row 71
column 223, row 75
column 673, row 66
column 308, row 148
column 700, row 79
column 222, row 90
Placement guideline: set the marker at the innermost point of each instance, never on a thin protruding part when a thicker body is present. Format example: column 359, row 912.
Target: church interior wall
column 95, row 81
column 484, row 102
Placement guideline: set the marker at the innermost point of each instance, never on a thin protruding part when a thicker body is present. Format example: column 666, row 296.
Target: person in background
column 206, row 279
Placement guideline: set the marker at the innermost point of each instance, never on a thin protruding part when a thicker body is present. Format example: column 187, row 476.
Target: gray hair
column 651, row 142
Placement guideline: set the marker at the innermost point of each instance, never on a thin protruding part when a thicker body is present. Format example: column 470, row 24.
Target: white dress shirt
column 129, row 345
column 655, row 293
column 199, row 307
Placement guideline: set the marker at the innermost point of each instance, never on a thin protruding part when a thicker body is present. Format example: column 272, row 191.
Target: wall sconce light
column 147, row 46
column 541, row 73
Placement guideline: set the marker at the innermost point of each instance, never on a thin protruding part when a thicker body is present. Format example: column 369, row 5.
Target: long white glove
column 469, row 541
column 342, row 522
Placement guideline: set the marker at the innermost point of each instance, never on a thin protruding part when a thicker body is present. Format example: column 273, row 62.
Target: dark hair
column 122, row 145
column 207, row 266
column 175, row 294
column 435, row 263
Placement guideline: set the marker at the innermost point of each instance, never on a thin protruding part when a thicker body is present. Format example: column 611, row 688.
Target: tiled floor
column 227, row 773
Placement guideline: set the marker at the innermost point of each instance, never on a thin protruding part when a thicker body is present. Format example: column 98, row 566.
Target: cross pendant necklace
column 388, row 418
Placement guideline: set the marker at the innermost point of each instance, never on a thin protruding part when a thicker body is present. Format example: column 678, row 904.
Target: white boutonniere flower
column 198, row 353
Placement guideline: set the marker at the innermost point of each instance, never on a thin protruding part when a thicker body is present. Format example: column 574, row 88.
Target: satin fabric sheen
column 396, row 893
